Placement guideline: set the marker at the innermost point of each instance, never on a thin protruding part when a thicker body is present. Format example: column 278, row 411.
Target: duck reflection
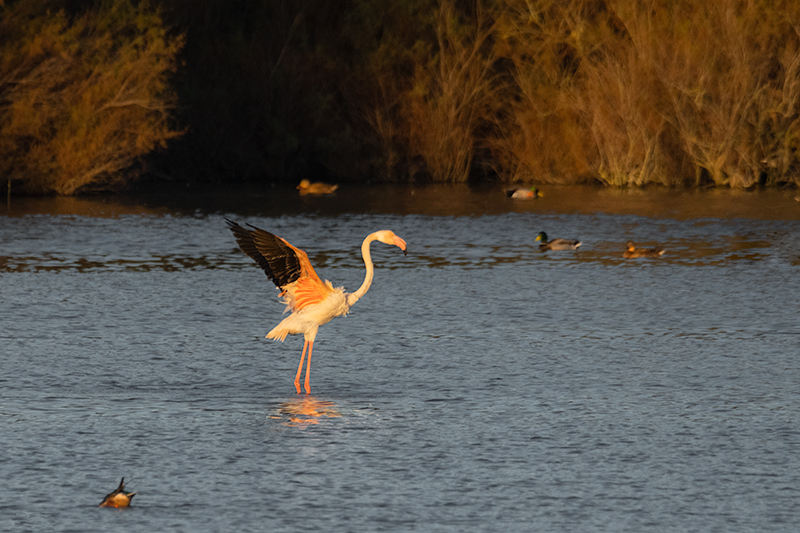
column 306, row 411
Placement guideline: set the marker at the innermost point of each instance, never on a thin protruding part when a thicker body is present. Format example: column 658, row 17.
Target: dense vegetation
column 622, row 93
column 83, row 95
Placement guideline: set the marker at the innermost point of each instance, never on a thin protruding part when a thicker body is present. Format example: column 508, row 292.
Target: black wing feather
column 279, row 261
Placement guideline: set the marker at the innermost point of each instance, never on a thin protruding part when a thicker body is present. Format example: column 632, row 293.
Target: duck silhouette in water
column 118, row 498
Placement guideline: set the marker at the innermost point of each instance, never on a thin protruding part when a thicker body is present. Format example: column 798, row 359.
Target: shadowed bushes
column 259, row 91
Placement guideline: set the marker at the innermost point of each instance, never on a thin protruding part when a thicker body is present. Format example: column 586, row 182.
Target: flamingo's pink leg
column 308, row 368
column 300, row 369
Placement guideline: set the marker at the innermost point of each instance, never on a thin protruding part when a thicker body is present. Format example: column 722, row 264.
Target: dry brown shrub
column 631, row 93
column 452, row 95
column 539, row 138
column 546, row 135
column 82, row 98
column 726, row 69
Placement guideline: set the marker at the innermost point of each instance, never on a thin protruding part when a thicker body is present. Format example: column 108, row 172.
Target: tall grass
column 720, row 71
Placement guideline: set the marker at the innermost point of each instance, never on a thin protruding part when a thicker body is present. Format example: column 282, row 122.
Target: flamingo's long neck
column 354, row 297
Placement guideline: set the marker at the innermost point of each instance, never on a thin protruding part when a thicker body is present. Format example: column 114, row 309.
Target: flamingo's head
column 388, row 237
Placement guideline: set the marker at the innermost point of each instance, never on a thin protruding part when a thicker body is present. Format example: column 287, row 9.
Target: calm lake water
column 480, row 385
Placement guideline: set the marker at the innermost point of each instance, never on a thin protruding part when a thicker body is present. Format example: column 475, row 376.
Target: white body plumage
column 308, row 320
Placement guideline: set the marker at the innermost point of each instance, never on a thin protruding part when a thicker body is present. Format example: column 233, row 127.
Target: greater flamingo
column 312, row 302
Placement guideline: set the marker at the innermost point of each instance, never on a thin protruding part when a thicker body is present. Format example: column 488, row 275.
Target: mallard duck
column 632, row 251
column 556, row 244
column 306, row 187
column 524, row 194
column 118, row 498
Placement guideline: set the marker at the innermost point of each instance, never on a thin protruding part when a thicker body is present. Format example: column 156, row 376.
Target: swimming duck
column 632, row 251
column 524, row 194
column 306, row 187
column 118, row 498
column 556, row 244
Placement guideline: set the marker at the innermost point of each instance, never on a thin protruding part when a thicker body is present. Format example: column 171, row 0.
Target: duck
column 556, row 244
column 306, row 187
column 118, row 498
column 631, row 251
column 524, row 194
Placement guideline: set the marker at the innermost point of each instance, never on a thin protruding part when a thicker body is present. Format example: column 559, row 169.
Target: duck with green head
column 632, row 252
column 556, row 244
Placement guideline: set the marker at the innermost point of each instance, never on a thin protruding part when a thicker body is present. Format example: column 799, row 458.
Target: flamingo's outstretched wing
column 287, row 266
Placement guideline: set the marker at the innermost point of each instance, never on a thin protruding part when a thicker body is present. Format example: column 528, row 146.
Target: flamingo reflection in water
column 312, row 302
column 306, row 411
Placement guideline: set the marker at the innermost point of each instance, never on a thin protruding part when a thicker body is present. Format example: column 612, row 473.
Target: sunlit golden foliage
column 729, row 71
column 543, row 136
column 83, row 95
column 630, row 93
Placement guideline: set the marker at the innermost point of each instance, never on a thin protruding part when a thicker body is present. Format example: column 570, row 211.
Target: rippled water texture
column 480, row 385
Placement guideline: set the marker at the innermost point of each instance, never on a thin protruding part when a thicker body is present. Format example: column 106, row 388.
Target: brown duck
column 118, row 498
column 631, row 251
column 307, row 187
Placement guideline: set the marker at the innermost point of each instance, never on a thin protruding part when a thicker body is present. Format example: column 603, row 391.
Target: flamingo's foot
column 297, row 386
